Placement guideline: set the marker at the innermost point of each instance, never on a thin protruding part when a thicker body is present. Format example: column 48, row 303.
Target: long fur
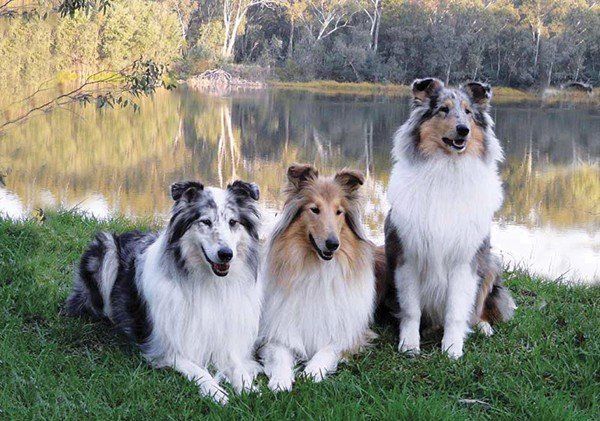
column 315, row 310
column 437, row 231
column 160, row 290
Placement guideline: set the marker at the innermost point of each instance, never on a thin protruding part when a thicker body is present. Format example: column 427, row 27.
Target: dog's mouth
column 459, row 144
column 219, row 269
column 325, row 255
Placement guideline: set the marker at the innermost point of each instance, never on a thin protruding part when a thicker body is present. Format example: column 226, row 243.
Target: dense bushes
column 39, row 47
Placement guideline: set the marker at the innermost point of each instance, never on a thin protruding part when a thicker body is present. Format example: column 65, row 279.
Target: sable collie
column 443, row 191
column 319, row 278
column 188, row 295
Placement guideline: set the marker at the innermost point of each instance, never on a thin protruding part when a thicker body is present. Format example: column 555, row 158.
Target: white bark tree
column 234, row 13
column 330, row 16
column 372, row 8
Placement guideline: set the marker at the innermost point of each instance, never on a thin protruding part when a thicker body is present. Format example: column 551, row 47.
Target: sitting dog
column 188, row 295
column 443, row 192
column 318, row 276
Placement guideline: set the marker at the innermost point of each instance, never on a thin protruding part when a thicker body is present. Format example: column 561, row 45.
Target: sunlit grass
column 544, row 364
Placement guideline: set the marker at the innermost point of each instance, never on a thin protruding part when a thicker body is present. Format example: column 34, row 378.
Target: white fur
column 442, row 208
column 201, row 320
column 323, row 314
column 108, row 275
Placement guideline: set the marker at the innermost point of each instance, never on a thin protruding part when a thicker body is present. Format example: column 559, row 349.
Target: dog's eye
column 232, row 222
column 206, row 222
column 315, row 210
column 339, row 212
column 468, row 111
column 444, row 110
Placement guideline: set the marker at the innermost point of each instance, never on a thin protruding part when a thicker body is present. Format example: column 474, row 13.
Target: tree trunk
column 375, row 25
column 537, row 49
column 291, row 43
column 447, row 82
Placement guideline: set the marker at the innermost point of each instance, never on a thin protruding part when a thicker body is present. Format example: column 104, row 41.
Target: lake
column 117, row 162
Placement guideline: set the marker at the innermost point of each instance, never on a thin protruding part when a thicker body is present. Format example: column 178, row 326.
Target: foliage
column 111, row 89
column 506, row 42
column 35, row 48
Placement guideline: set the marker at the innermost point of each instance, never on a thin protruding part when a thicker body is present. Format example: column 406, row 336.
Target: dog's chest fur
column 442, row 210
column 322, row 306
column 202, row 317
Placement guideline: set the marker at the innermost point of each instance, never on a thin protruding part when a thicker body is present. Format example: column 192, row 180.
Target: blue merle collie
column 443, row 192
column 188, row 295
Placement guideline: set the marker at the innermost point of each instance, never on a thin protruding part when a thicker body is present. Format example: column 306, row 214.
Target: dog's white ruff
column 442, row 209
column 324, row 313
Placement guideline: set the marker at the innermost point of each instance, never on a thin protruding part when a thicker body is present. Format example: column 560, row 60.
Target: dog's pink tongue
column 221, row 266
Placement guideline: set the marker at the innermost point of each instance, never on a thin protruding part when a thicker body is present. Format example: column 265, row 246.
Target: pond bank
column 543, row 364
column 502, row 94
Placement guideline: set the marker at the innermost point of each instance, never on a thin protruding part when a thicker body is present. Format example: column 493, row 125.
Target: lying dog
column 443, row 191
column 319, row 278
column 188, row 296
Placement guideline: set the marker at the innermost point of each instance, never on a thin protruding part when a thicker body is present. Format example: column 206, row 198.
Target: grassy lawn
column 545, row 364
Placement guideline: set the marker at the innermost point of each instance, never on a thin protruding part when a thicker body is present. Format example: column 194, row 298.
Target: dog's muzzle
column 325, row 255
column 219, row 269
column 458, row 144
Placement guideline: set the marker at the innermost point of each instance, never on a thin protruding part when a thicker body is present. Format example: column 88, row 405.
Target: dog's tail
column 95, row 278
column 499, row 305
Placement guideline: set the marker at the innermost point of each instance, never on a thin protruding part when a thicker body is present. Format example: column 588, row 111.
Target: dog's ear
column 480, row 93
column 244, row 189
column 299, row 174
column 350, row 180
column 426, row 88
column 186, row 190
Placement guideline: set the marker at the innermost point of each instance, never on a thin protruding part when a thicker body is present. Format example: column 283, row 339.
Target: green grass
column 545, row 364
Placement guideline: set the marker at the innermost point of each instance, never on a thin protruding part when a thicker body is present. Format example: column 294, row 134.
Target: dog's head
column 210, row 225
column 325, row 209
column 452, row 121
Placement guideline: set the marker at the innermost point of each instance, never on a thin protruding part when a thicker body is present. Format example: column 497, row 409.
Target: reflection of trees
column 131, row 158
column 559, row 196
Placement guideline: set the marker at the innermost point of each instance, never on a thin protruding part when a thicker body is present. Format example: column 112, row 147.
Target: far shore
column 501, row 93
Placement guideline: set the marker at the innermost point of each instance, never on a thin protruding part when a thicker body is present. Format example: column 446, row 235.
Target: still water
column 107, row 163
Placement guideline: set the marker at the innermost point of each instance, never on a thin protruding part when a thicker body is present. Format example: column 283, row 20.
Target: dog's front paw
column 244, row 383
column 315, row 373
column 454, row 350
column 408, row 349
column 281, row 383
column 215, row 392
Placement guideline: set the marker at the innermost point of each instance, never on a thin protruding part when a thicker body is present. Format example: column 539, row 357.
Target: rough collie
column 188, row 295
column 443, row 191
column 319, row 278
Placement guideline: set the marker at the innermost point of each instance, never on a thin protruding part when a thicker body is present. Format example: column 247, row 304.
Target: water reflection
column 119, row 162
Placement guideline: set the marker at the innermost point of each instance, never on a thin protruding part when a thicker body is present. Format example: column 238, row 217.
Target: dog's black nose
column 332, row 243
column 225, row 254
column 462, row 130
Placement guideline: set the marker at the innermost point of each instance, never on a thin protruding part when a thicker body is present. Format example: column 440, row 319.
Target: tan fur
column 487, row 284
column 292, row 250
column 433, row 130
column 475, row 145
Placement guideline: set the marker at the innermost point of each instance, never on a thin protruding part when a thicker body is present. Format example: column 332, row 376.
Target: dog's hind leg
column 278, row 361
column 208, row 385
column 494, row 302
